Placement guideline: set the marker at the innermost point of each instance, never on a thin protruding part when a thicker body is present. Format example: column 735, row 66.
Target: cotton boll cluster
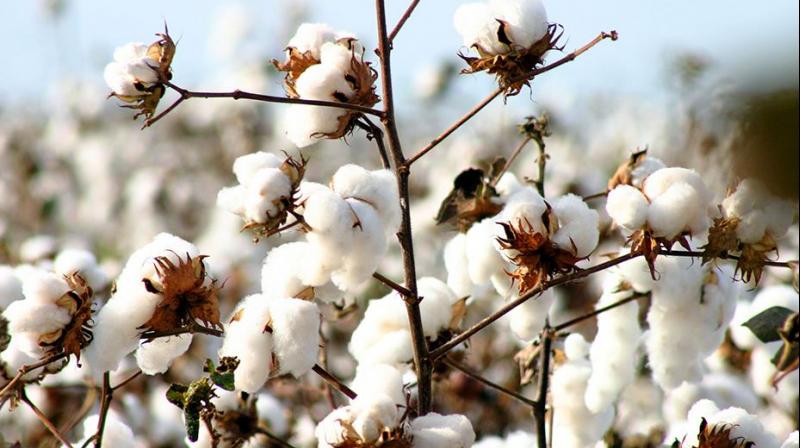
column 614, row 350
column 384, row 335
column 121, row 320
column 669, row 202
column 690, row 311
column 500, row 26
column 286, row 328
column 327, row 66
column 39, row 323
column 574, row 425
column 758, row 212
column 742, row 425
column 266, row 190
column 116, row 432
column 446, row 431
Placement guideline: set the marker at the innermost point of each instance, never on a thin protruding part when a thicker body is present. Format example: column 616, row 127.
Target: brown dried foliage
column 623, row 174
column 642, row 241
column 185, row 296
column 719, row 436
column 511, row 68
column 77, row 334
column 537, row 258
column 470, row 200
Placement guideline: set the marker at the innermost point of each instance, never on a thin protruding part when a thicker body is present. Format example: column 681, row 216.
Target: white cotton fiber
column 247, row 340
column 295, row 334
column 156, row 356
column 627, row 206
column 434, row 430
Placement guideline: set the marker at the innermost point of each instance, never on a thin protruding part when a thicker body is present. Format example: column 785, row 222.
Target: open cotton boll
column 574, row 425
column 434, row 430
column 516, row 439
column 484, row 260
column 130, row 67
column 115, row 432
column 310, row 37
column 671, row 212
column 70, row 261
column 303, row 124
column 613, row 353
column 366, row 251
column 793, row 441
column 645, row 168
column 246, row 338
column 245, row 167
column 456, row 262
column 528, row 319
column 526, row 20
column 377, row 379
column 378, row 188
column 383, row 335
column 742, row 425
column 472, row 22
column 436, row 305
column 359, row 424
column 578, row 225
column 156, row 356
column 10, row 286
column 14, row 357
column 323, row 82
column 295, row 335
column 627, row 206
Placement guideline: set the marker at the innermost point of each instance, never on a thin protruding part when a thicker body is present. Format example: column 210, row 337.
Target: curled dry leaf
column 470, row 200
column 643, row 242
column 624, row 173
column 186, row 296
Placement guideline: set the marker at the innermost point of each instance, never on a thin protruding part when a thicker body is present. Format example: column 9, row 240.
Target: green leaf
column 191, row 418
column 766, row 324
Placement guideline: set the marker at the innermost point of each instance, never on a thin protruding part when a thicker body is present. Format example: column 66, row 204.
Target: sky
column 745, row 40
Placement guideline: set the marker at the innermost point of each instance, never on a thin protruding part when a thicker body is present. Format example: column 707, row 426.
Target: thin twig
column 323, row 362
column 541, row 162
column 486, row 321
column 237, row 94
column 193, row 327
column 466, row 371
column 127, row 380
column 422, row 362
column 402, row 20
column 541, row 391
column 374, row 132
column 579, row 319
column 43, row 418
column 517, row 151
column 533, row 73
column 106, row 396
column 29, row 368
column 697, row 254
column 280, row 442
column 391, row 284
column 599, row 195
column 86, row 406
column 333, row 381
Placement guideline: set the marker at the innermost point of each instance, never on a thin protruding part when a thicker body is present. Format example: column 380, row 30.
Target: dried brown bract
column 77, row 334
column 537, row 258
column 719, row 436
column 624, row 173
column 186, row 296
column 470, row 201
column 642, row 241
column 511, row 69
column 295, row 170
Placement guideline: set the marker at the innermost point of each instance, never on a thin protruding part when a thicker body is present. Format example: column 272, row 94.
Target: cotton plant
column 326, row 65
column 706, row 422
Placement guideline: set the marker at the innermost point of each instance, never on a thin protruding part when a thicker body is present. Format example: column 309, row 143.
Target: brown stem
column 463, row 369
column 29, row 368
column 237, row 94
column 43, row 418
column 697, row 254
column 192, row 327
column 541, row 161
column 540, row 409
column 77, row 417
column 599, row 195
column 533, row 73
column 486, row 321
column 403, row 20
column 391, row 284
column 517, row 151
column 277, row 440
column 334, row 382
column 105, row 405
column 323, row 362
column 579, row 319
column 374, row 132
column 422, row 361
column 127, row 380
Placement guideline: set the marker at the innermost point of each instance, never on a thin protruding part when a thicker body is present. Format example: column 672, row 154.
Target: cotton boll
column 508, row 185
column 245, row 167
column 742, row 424
column 613, row 353
column 627, row 206
column 484, row 260
column 10, row 286
column 115, row 432
column 310, row 37
column 304, row 124
column 383, row 335
column 751, row 227
column 70, row 261
column 156, row 356
column 433, row 430
column 295, row 335
column 526, row 20
column 286, row 271
column 366, row 251
column 41, row 286
column 328, row 214
column 528, row 319
column 793, row 441
column 361, row 423
column 671, row 212
column 664, row 179
column 378, row 188
column 436, row 305
column 474, row 22
column 379, row 379
column 246, row 338
column 780, row 215
column 575, row 347
column 456, row 262
column 578, row 225
column 645, row 168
